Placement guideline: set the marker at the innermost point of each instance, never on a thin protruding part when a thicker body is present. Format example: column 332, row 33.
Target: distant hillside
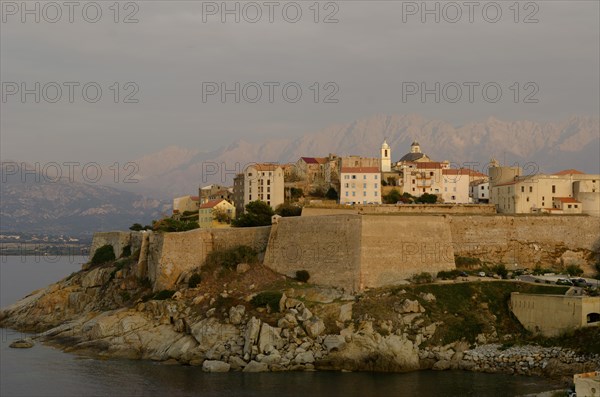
column 572, row 143
column 70, row 207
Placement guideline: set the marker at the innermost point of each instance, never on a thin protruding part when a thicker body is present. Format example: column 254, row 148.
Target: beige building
column 514, row 193
column 587, row 384
column 553, row 315
column 216, row 213
column 185, row 204
column 360, row 185
column 264, row 182
column 414, row 156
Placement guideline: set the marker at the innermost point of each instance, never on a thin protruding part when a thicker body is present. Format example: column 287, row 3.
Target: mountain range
column 79, row 207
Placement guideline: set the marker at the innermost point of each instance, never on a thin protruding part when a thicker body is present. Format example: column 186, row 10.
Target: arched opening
column 593, row 317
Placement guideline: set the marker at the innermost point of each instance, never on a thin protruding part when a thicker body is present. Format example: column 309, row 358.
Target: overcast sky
column 369, row 55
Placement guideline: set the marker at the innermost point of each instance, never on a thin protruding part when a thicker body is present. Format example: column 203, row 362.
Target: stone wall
column 394, row 248
column 526, row 240
column 552, row 315
column 403, row 209
column 327, row 247
column 118, row 239
column 172, row 255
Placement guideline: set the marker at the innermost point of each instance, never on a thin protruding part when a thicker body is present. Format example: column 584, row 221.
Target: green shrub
column 597, row 267
column 501, row 271
column 331, row 194
column 302, row 276
column 194, row 280
column 267, row 298
column 574, row 270
column 448, row 275
column 126, row 251
column 422, row 278
column 104, row 254
column 231, row 257
column 174, row 225
column 392, row 197
column 164, row 294
column 125, row 296
column 286, row 209
column 258, row 213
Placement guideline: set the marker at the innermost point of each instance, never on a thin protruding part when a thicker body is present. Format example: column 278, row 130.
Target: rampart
column 365, row 251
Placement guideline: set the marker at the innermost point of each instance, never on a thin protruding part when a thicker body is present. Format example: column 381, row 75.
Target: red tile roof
column 568, row 172
column 314, row 160
column 210, row 204
column 566, row 199
column 195, row 198
column 360, row 170
column 265, row 166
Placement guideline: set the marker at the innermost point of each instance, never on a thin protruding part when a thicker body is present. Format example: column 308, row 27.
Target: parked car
column 481, row 274
column 464, row 274
column 564, row 281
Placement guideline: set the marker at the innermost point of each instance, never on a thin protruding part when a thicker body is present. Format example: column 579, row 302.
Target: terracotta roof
column 360, row 170
column 569, row 172
column 211, row 203
column 566, row 199
column 314, row 160
column 195, row 198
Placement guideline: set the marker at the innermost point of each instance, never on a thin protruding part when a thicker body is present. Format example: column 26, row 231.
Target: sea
column 48, row 371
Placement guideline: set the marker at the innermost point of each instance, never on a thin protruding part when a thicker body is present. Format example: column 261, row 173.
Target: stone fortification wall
column 394, row 248
column 327, row 247
column 403, row 209
column 526, row 240
column 118, row 239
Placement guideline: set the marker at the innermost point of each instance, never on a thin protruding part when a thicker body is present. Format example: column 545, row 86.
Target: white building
column 360, row 185
column 386, row 157
column 480, row 192
column 264, row 182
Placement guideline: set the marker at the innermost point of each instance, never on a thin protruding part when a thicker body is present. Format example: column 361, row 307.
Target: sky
column 162, row 66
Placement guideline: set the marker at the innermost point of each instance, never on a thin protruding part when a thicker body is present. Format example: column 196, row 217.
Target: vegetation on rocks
column 104, row 254
column 267, row 298
column 194, row 280
column 230, row 258
column 303, row 276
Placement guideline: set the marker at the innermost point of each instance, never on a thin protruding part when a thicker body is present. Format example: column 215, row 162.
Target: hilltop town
column 414, row 178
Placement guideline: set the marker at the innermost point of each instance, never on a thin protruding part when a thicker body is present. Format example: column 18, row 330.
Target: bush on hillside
column 302, row 276
column 267, row 298
column 104, row 254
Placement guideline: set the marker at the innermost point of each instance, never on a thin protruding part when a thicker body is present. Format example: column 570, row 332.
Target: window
column 353, row 176
column 268, row 182
column 375, row 193
column 364, row 185
column 569, row 206
column 249, row 174
column 347, row 185
column 522, row 189
column 375, row 186
column 431, row 173
column 268, row 190
column 553, row 188
column 413, row 189
column 530, row 189
column 385, row 153
column 376, row 176
column 353, row 186
column 543, row 198
column 527, row 199
column 268, row 197
column 353, row 194
column 365, row 194
column 249, row 197
column 346, row 194
column 576, row 206
column 364, row 177
column 481, row 187
column 482, row 194
column 413, row 181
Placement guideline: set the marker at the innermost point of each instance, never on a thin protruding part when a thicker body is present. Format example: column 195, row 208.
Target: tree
column 318, row 192
column 501, row 270
column 136, row 227
column 427, row 198
column 331, row 194
column 258, row 213
column 392, row 197
column 574, row 270
column 222, row 216
column 173, row 225
column 287, row 209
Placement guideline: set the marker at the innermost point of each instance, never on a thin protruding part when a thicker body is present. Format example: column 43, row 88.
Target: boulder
column 255, row 366
column 441, row 365
column 215, row 366
column 409, row 306
column 22, row 344
column 345, row 312
column 288, row 321
column 269, row 336
column 242, row 268
column 314, row 327
column 251, row 336
column 210, row 331
column 236, row 362
column 334, row 342
column 304, row 314
column 236, row 314
column 429, row 297
column 305, row 358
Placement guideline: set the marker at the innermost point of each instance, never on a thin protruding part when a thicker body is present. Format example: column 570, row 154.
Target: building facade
column 185, row 204
column 360, row 185
column 238, row 194
column 216, row 213
column 264, row 182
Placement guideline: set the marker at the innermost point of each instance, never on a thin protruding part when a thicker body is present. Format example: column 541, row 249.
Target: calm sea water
column 45, row 371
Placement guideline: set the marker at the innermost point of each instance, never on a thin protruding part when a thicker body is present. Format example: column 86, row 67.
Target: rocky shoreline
column 218, row 327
